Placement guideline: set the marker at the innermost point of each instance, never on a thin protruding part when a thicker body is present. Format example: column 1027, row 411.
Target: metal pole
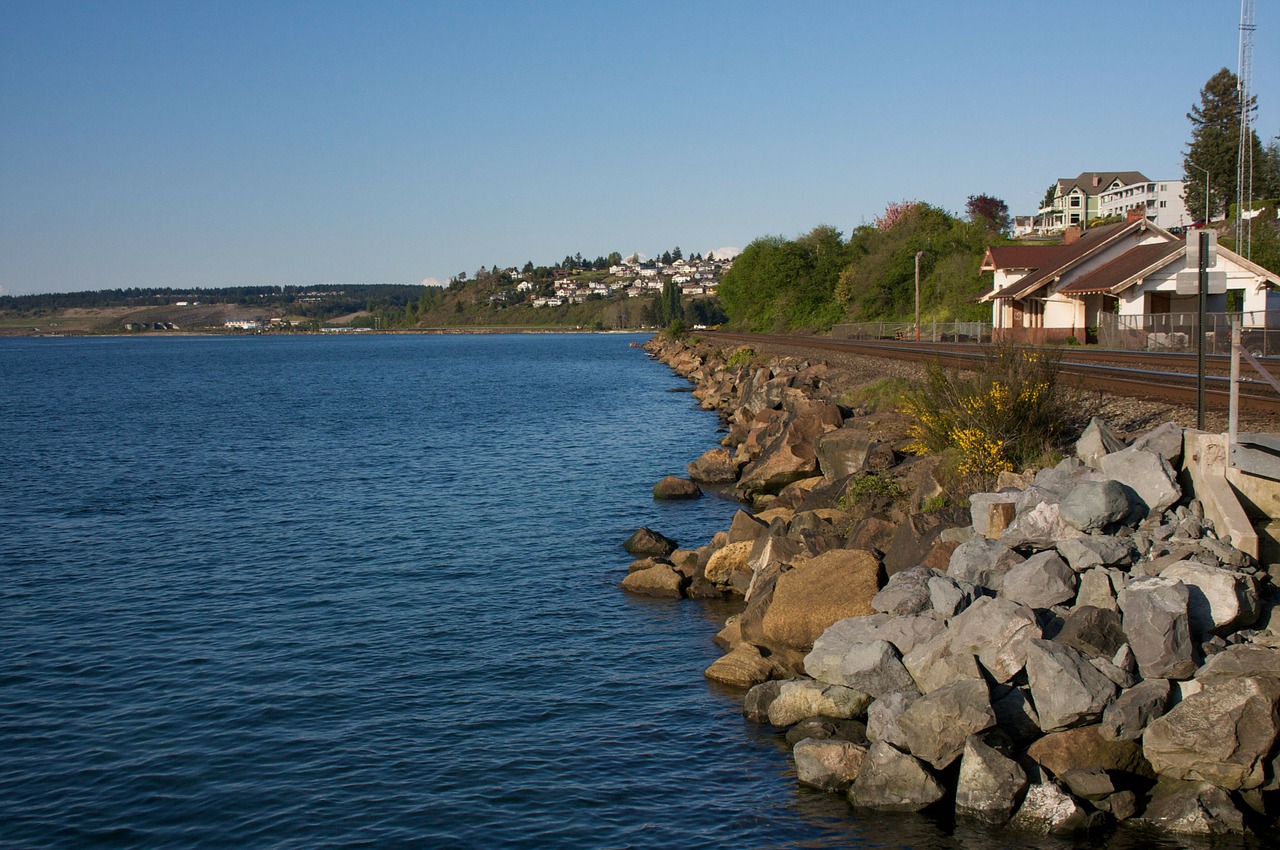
column 1204, row 291
column 1234, row 407
column 918, row 255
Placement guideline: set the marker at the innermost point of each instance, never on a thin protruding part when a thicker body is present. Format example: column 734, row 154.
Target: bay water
column 361, row 591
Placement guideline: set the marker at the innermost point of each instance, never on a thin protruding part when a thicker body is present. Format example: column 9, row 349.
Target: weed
column 868, row 487
column 741, row 356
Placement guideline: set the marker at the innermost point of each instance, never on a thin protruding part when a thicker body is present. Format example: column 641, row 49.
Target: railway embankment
column 1080, row 649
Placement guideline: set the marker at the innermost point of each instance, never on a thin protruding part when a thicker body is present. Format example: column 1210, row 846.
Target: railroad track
column 1160, row 376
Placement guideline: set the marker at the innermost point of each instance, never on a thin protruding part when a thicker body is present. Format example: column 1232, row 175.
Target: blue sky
column 234, row 143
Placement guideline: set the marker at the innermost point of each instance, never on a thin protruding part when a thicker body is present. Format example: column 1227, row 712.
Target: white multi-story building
column 1159, row 202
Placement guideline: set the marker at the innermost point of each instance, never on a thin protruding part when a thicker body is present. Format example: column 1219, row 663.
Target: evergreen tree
column 1215, row 147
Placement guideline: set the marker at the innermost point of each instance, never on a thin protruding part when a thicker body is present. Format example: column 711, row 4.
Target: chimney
column 1097, row 180
column 1071, row 235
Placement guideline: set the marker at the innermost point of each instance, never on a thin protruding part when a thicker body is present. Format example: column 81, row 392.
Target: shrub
column 1003, row 416
column 741, row 356
column 868, row 487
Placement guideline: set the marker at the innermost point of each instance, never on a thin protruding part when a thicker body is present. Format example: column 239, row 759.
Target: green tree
column 1215, row 147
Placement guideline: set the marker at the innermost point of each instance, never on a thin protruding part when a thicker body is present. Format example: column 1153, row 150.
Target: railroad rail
column 1161, row 376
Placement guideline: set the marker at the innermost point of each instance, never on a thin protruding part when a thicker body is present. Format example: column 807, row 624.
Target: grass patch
column 884, row 394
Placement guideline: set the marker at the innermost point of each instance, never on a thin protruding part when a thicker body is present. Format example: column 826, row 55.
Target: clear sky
column 234, row 143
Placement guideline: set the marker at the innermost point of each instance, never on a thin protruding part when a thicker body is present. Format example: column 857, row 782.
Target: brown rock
column 673, row 488
column 817, row 593
column 743, row 667
column 730, row 561
column 661, row 580
column 1083, row 747
column 716, row 466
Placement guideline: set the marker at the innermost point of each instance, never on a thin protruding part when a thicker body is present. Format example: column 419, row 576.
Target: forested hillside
column 820, row 278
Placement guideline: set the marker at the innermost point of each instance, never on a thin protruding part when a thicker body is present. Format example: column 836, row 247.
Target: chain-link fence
column 1260, row 333
column 929, row 331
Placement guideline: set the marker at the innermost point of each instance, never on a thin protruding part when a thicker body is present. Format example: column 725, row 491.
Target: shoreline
column 860, row 608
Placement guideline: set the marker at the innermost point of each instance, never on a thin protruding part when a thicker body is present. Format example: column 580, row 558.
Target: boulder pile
column 1075, row 649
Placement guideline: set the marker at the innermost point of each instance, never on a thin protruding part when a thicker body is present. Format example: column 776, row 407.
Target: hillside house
column 1076, row 200
column 1159, row 202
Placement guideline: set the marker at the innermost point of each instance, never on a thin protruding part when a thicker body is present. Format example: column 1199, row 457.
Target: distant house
column 1049, row 292
column 1158, row 201
column 1075, row 199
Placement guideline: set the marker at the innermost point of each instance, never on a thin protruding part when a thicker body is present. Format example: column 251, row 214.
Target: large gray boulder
column 849, row 450
column 1127, row 718
column 933, row 664
column 1194, row 808
column 1042, row 581
column 937, row 724
column 828, row 763
column 949, row 596
column 873, row 668
column 996, row 630
column 982, row 562
column 1224, row 734
column 1068, row 691
column 1095, row 632
column 883, row 716
column 1221, row 600
column 1145, row 473
column 906, row 592
column 1241, row 661
column 1157, row 621
column 1099, row 588
column 894, row 781
column 990, row 786
column 1093, row 505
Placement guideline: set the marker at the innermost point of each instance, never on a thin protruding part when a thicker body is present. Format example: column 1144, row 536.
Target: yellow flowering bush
column 1002, row 416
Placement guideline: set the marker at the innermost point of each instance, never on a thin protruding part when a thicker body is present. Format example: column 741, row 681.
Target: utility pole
column 919, row 254
column 1244, row 175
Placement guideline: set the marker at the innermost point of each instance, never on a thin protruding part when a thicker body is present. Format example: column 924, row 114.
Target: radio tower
column 1244, row 177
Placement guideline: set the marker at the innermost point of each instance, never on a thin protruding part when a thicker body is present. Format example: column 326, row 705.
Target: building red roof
column 1124, row 267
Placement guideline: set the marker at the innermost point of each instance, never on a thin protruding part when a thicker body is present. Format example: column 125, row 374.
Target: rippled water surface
column 362, row 592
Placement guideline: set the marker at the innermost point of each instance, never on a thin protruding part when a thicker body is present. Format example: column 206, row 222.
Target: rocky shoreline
column 1076, row 650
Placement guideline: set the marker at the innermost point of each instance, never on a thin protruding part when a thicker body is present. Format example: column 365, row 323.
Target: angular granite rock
column 1042, row 581
column 894, row 781
column 1221, row 600
column 1093, row 505
column 828, row 764
column 1194, row 808
column 1224, row 734
column 937, row 725
column 1157, row 622
column 1068, row 691
column 1127, row 718
column 874, row 668
column 990, row 786
column 1146, row 474
column 1048, row 810
column 982, row 562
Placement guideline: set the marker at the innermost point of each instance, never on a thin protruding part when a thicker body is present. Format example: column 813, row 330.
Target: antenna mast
column 1244, row 177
